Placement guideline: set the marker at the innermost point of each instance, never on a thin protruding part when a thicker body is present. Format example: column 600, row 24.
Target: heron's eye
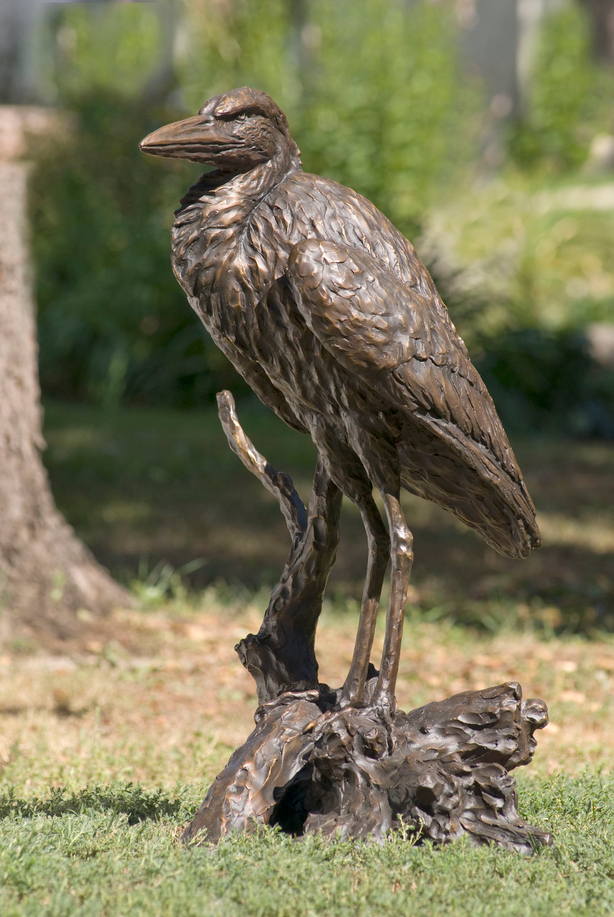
column 234, row 118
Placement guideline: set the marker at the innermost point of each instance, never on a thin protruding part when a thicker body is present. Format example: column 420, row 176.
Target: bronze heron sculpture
column 326, row 311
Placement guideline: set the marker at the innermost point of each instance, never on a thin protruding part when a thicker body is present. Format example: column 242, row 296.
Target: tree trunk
column 46, row 574
column 601, row 13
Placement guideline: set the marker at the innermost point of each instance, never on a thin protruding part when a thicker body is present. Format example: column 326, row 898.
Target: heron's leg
column 379, row 551
column 401, row 557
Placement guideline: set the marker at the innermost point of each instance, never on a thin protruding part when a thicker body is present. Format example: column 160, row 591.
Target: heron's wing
column 394, row 340
column 309, row 203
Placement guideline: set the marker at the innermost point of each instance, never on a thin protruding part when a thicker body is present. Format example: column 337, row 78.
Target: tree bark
column 601, row 13
column 46, row 574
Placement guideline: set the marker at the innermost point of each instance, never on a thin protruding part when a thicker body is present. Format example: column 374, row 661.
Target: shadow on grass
column 154, row 489
column 127, row 799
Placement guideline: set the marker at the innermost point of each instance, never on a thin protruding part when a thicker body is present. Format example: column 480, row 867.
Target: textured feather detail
column 386, row 332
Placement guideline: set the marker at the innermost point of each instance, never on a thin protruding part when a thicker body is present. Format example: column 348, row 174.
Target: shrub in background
column 379, row 120
column 570, row 99
column 546, row 381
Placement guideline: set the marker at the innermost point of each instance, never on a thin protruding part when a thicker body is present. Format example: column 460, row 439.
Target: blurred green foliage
column 399, row 121
column 546, row 381
column 103, row 49
column 380, row 120
column 529, row 266
column 570, row 99
column 523, row 253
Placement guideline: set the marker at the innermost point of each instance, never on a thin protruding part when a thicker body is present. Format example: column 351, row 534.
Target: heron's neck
column 217, row 209
column 235, row 195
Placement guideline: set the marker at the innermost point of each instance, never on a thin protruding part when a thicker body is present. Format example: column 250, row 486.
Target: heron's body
column 231, row 251
column 326, row 311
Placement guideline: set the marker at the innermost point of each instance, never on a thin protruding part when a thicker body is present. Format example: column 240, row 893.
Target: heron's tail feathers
column 467, row 481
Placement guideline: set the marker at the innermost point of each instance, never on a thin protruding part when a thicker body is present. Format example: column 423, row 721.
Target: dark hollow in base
column 441, row 771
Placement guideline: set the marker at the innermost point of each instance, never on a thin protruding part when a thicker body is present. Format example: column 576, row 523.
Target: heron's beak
column 199, row 139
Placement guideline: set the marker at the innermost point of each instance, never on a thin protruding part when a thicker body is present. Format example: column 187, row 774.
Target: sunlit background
column 482, row 128
column 485, row 130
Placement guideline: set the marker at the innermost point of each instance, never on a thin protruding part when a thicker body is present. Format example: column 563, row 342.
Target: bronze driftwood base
column 314, row 763
column 441, row 771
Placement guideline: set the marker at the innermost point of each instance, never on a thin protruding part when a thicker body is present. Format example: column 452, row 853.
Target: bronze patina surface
column 326, row 311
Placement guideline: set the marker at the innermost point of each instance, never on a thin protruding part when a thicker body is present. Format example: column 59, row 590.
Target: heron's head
column 233, row 132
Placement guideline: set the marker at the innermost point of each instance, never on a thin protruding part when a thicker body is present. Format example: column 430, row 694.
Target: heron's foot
column 385, row 707
column 359, row 692
column 379, row 698
column 347, row 700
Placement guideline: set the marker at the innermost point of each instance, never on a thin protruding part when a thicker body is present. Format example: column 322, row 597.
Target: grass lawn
column 108, row 745
column 105, row 755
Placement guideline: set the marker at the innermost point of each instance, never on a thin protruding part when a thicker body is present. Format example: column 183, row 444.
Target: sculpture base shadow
column 440, row 772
